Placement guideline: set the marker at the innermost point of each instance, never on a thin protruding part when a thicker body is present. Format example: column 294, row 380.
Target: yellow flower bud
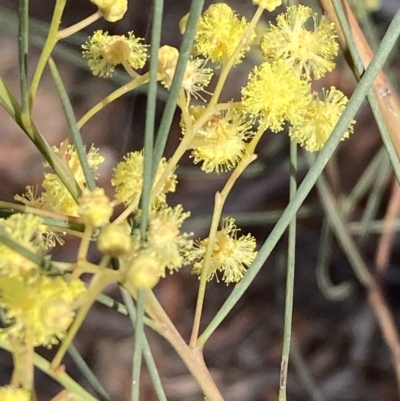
column 112, row 10
column 269, row 5
column 9, row 393
column 95, row 207
column 144, row 271
column 114, row 241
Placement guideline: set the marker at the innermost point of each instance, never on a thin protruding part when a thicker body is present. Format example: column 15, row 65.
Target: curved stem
column 287, row 332
column 111, row 97
column 218, row 206
column 64, row 33
column 47, row 48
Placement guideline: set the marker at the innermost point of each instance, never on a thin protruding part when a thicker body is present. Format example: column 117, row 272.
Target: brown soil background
column 339, row 342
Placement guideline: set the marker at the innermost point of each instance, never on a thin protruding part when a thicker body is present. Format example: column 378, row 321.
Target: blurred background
column 338, row 352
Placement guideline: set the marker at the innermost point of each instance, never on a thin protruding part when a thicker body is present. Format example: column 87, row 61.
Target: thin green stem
column 375, row 198
column 332, row 292
column 287, row 332
column 47, row 48
column 363, row 184
column 220, row 199
column 88, row 374
column 138, row 345
column 184, row 54
column 355, row 102
column 73, row 128
column 148, row 356
column 304, row 373
column 23, row 49
column 64, row 33
column 342, row 234
column 148, row 168
column 218, row 205
column 121, row 308
column 111, row 97
column 8, row 101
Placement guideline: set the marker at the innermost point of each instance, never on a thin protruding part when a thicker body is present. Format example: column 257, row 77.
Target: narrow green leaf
column 151, row 366
column 8, row 101
column 148, row 169
column 184, row 54
column 23, row 47
column 88, row 374
column 70, row 116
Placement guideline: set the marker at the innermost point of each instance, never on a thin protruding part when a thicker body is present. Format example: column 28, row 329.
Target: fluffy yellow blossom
column 105, row 52
column 221, row 142
column 196, row 76
column 268, row 5
column 128, row 179
column 41, row 307
column 275, row 93
column 219, row 33
column 22, row 229
column 165, row 239
column 44, row 238
column 95, row 208
column 316, row 125
column 9, row 393
column 309, row 51
column 56, row 196
column 112, row 10
column 230, row 255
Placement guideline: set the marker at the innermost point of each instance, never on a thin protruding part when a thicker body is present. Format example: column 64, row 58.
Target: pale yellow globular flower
column 268, row 5
column 165, row 239
column 112, row 10
column 94, row 208
column 9, row 393
column 314, row 128
column 144, row 271
column 196, row 76
column 221, row 142
column 219, row 32
column 41, row 307
column 56, row 196
column 275, row 93
column 105, row 52
column 21, row 228
column 128, row 179
column 310, row 51
column 230, row 255
column 114, row 240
